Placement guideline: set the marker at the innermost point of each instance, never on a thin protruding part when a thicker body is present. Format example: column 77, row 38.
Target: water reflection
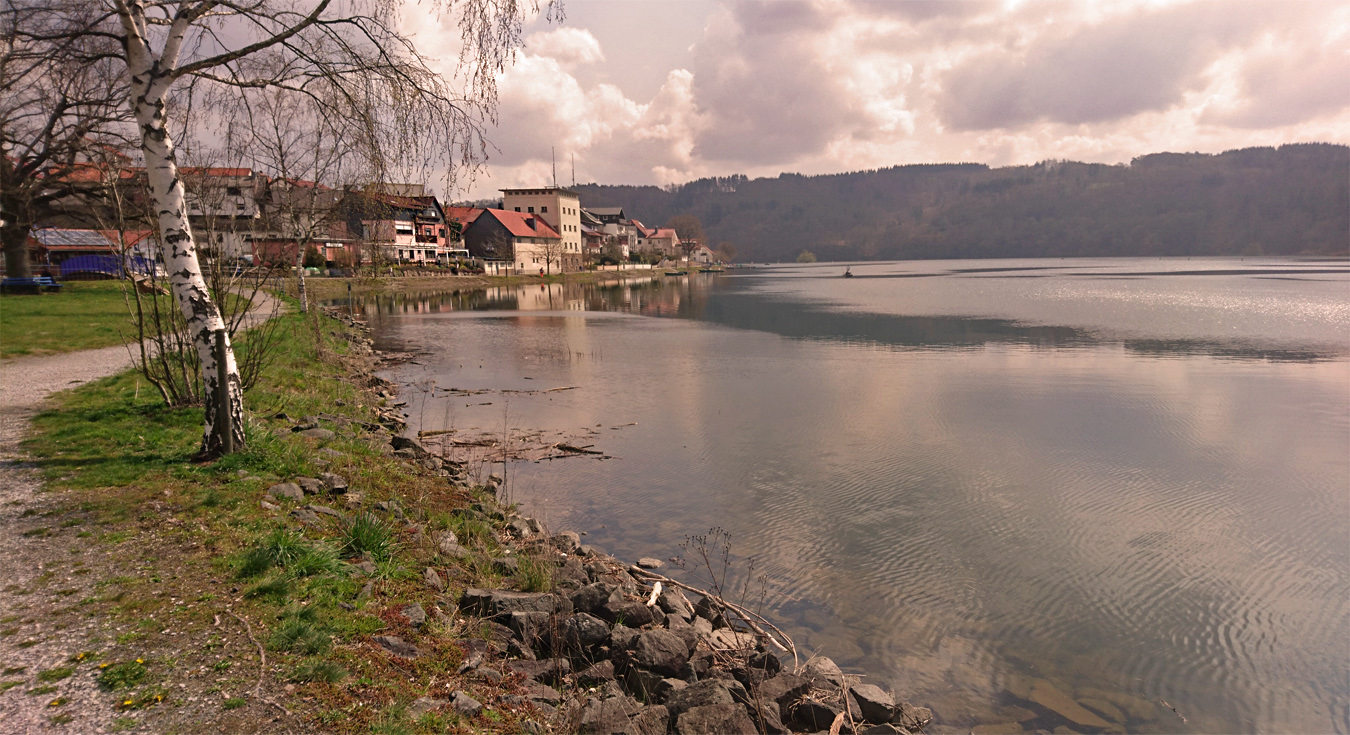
column 728, row 302
column 1009, row 521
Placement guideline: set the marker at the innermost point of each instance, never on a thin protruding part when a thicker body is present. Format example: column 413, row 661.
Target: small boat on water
column 848, row 273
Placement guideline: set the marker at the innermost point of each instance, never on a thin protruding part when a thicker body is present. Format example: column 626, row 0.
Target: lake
column 990, row 485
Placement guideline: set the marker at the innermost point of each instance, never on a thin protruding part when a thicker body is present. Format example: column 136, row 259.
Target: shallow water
column 981, row 482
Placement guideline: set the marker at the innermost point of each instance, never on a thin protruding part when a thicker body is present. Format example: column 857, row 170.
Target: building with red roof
column 515, row 242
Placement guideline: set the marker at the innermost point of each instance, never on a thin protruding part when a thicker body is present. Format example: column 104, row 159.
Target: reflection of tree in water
column 710, row 299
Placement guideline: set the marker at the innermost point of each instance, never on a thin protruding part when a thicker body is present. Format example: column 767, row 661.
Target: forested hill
column 1286, row 201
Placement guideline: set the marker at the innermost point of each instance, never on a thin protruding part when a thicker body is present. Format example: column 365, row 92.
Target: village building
column 514, row 242
column 457, row 220
column 401, row 222
column 91, row 254
column 300, row 215
column 224, row 205
column 560, row 209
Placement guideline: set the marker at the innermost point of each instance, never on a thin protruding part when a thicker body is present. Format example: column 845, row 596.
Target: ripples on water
column 1122, row 481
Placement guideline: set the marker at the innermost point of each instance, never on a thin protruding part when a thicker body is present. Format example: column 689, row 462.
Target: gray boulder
column 875, row 704
column 660, row 651
column 433, row 579
column 912, row 718
column 395, row 645
column 583, row 630
column 306, row 516
column 423, row 705
column 310, row 485
column 622, row 637
column 814, row 714
column 546, row 670
column 566, row 542
column 824, row 672
column 631, row 613
column 700, row 694
column 597, row 674
column 540, row 692
column 675, row 604
column 653, row 720
column 784, row 689
column 335, row 483
column 317, row 433
column 606, row 716
column 715, row 719
column 464, row 704
column 415, row 614
column 503, row 602
column 288, row 490
column 402, row 442
column 592, row 597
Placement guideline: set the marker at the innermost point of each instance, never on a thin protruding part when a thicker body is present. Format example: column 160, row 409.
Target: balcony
column 426, row 238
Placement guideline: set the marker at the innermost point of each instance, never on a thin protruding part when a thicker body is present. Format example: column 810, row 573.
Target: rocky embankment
column 599, row 645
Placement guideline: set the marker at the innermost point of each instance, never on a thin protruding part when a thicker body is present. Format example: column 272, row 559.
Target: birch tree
column 348, row 56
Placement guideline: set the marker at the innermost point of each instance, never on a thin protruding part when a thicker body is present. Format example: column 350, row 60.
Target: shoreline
column 336, row 576
column 670, row 664
column 323, row 288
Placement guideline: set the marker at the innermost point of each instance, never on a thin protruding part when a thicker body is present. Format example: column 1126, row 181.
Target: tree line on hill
column 1291, row 200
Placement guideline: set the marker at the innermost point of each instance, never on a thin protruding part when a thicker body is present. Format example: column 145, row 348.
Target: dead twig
column 262, row 665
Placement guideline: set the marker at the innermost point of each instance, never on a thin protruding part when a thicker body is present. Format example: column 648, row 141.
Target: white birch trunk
column 300, row 247
column 151, row 79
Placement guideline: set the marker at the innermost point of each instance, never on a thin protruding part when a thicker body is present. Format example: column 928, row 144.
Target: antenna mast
column 574, row 170
column 554, row 151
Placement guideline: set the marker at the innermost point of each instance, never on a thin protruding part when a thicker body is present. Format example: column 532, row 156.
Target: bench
column 35, row 284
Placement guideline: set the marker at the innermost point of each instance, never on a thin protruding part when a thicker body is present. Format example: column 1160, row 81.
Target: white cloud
column 820, row 86
column 570, row 47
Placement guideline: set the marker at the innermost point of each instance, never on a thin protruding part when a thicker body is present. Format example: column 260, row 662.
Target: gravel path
column 38, row 629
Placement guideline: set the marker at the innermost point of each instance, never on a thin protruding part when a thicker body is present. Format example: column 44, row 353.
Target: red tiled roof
column 665, row 233
column 515, row 223
column 466, row 215
column 395, row 200
column 215, row 171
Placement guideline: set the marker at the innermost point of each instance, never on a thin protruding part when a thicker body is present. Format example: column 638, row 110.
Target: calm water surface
column 982, row 482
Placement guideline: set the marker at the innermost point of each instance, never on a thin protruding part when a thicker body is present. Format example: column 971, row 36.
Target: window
column 233, row 191
column 543, row 210
column 518, row 209
column 529, row 208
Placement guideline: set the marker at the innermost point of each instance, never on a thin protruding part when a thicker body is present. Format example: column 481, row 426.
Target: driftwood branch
column 575, row 450
column 747, row 616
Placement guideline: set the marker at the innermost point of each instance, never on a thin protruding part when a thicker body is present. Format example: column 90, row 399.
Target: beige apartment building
column 560, row 208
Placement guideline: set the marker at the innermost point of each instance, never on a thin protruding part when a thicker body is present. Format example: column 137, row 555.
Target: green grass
column 121, row 676
column 56, row 674
column 365, row 533
column 116, row 455
column 84, row 315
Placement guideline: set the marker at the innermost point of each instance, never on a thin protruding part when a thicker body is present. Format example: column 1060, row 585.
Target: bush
column 364, row 533
column 313, row 259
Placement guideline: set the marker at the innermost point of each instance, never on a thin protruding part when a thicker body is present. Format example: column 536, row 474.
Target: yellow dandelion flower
column 127, row 703
column 140, row 661
column 54, row 703
column 103, row 666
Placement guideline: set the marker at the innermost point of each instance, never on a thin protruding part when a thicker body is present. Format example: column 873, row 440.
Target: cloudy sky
column 662, row 91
